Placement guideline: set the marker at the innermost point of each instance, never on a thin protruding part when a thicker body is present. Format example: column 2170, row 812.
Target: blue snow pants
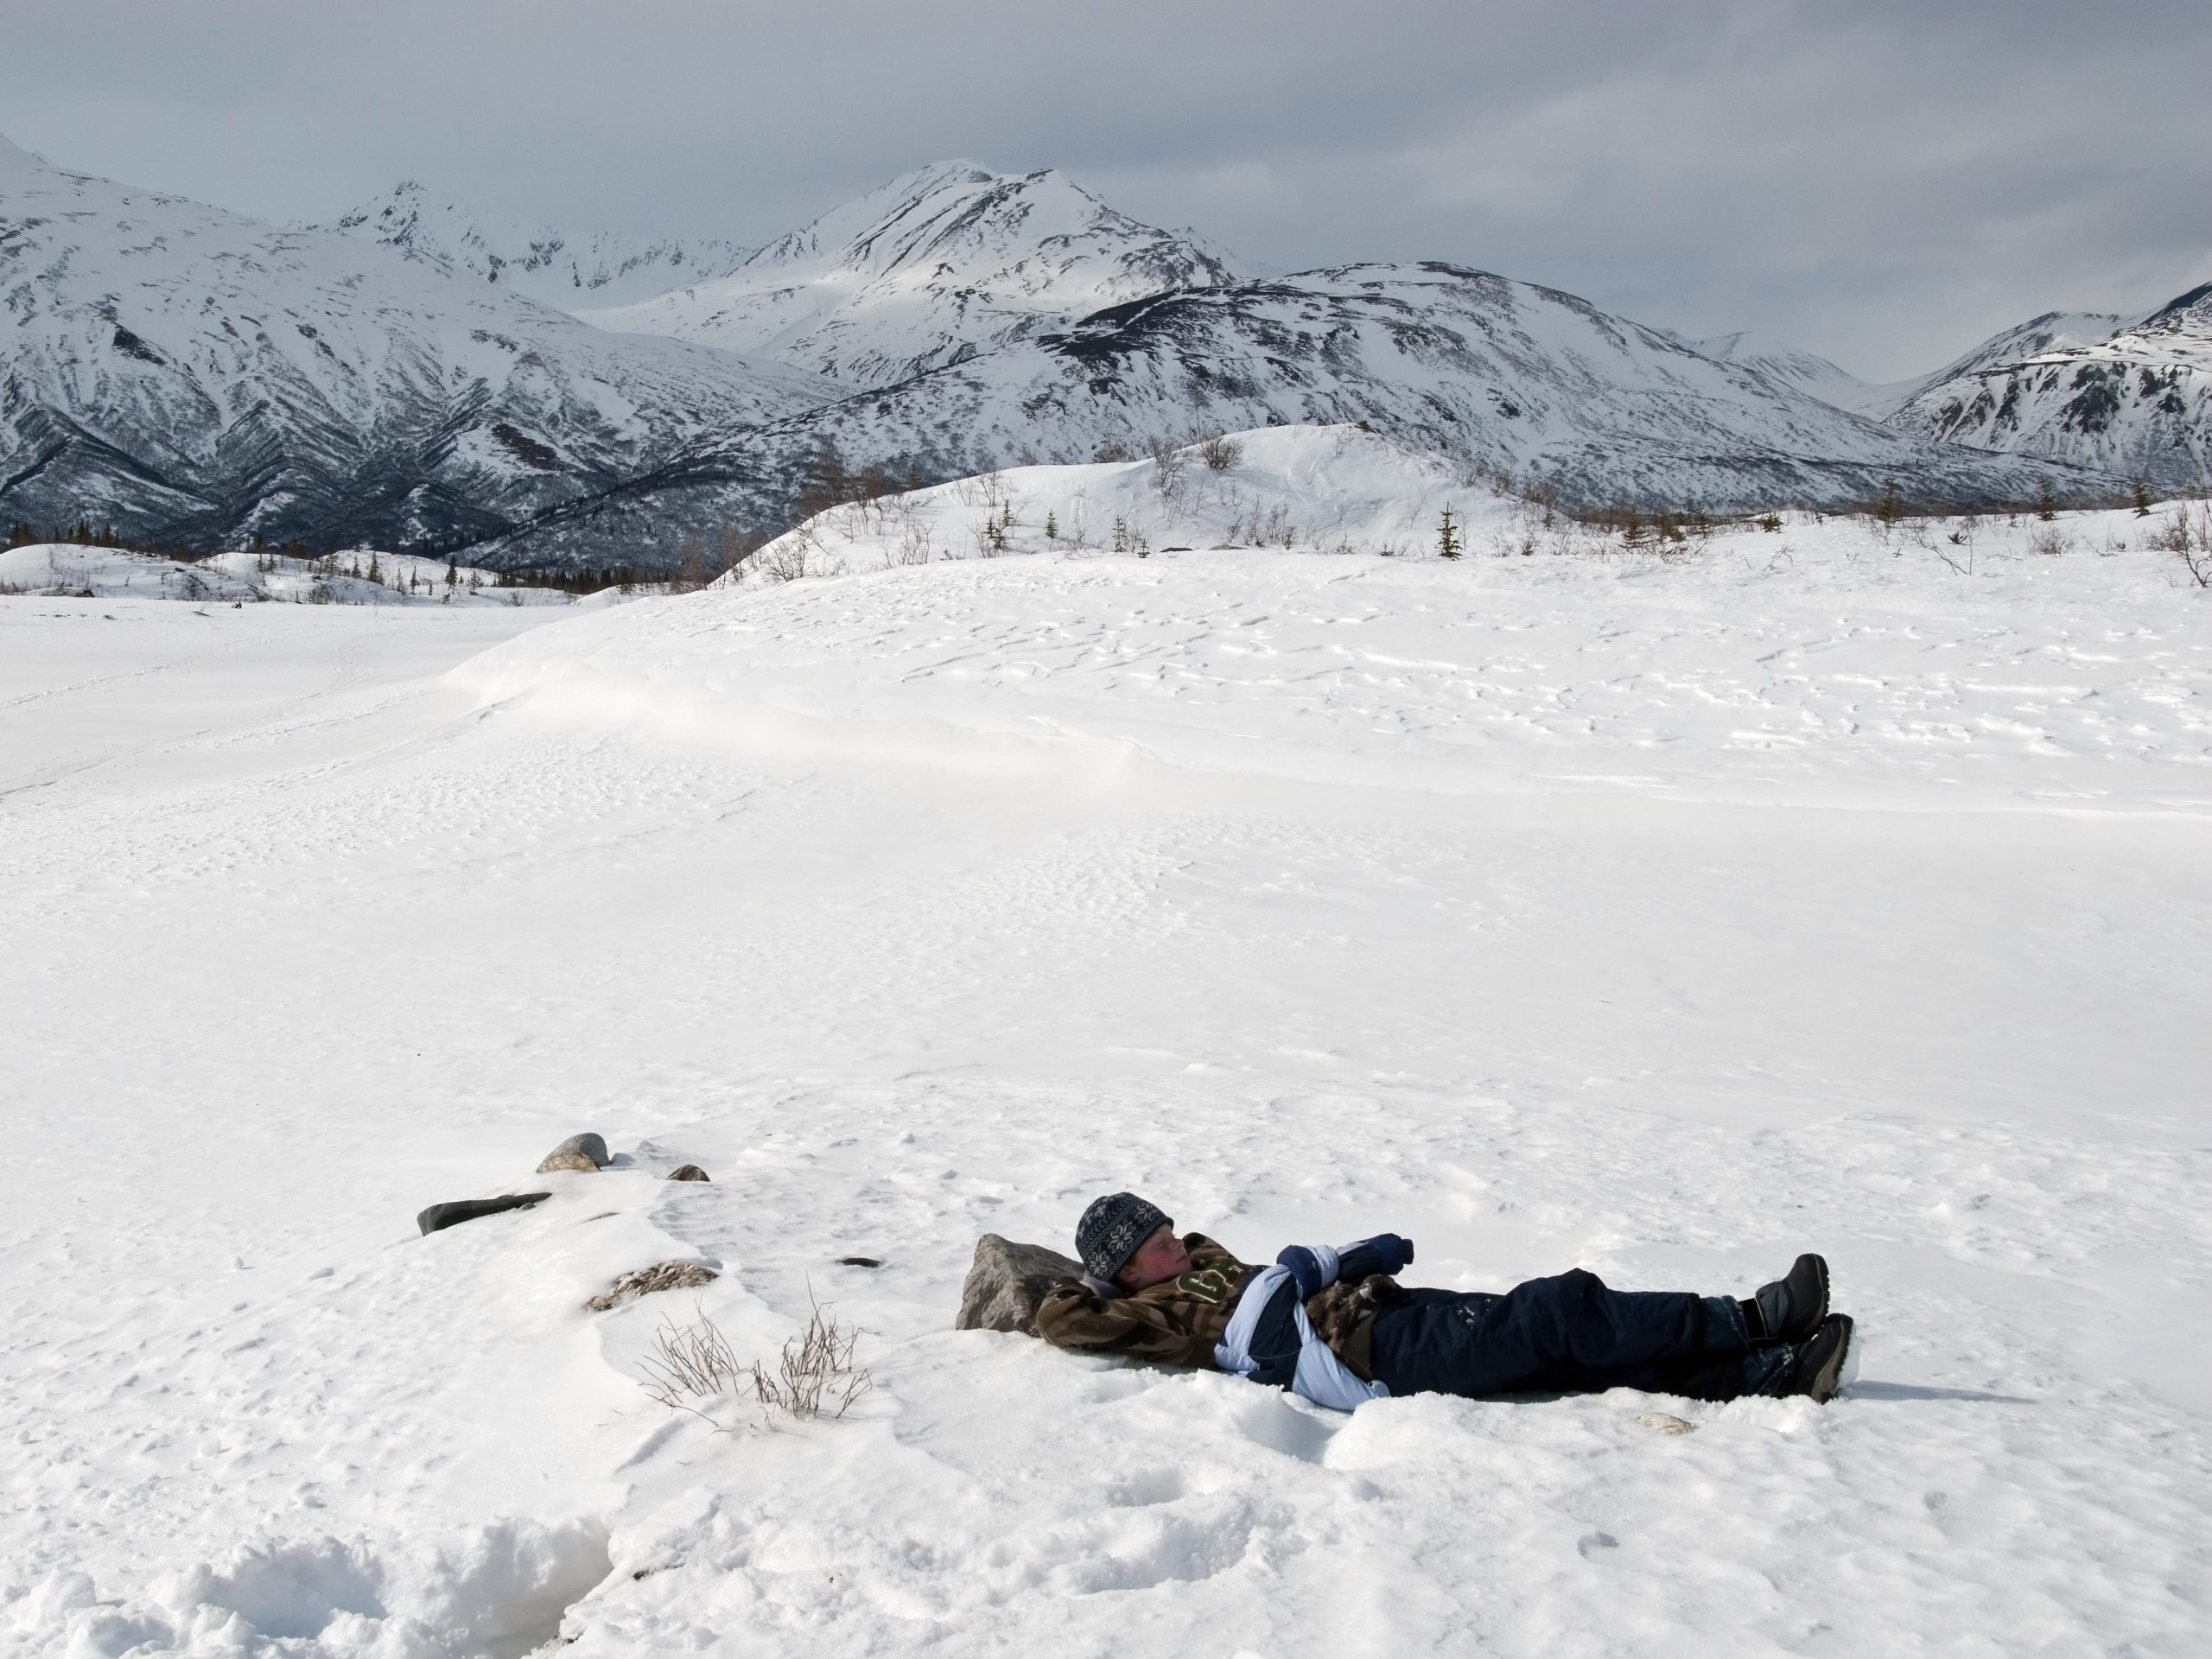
column 1568, row 1334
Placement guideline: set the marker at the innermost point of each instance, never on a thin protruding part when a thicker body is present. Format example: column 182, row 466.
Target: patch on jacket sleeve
column 1208, row 1285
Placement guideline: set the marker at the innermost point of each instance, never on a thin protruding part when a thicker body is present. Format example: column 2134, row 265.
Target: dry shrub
column 692, row 1366
column 1220, row 453
column 815, row 1376
column 691, row 1363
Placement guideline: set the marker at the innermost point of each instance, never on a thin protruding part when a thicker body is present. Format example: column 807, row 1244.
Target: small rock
column 860, row 1262
column 688, row 1173
column 1006, row 1283
column 1666, row 1422
column 585, row 1152
column 644, row 1281
column 440, row 1217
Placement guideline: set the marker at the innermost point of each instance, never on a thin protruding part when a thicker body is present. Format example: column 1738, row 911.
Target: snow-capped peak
column 930, row 269
column 567, row 269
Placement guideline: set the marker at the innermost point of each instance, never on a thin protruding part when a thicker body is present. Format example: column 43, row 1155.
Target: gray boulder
column 1006, row 1283
column 585, row 1152
column 644, row 1281
column 687, row 1173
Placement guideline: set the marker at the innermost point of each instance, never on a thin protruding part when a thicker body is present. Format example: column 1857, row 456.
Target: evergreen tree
column 2047, row 503
column 1448, row 536
column 1891, row 507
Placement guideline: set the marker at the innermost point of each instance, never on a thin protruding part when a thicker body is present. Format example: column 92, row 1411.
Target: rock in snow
column 646, row 1281
column 439, row 1216
column 1008, row 1282
column 585, row 1152
column 687, row 1173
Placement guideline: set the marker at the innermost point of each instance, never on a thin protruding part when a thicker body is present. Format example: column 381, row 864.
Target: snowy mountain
column 2126, row 395
column 565, row 269
column 1807, row 372
column 192, row 376
column 2130, row 395
column 1511, row 377
column 926, row 271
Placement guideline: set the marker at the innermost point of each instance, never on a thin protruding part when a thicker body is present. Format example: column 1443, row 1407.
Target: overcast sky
column 1882, row 182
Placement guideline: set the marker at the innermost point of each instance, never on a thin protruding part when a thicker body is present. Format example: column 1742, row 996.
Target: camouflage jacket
column 1180, row 1321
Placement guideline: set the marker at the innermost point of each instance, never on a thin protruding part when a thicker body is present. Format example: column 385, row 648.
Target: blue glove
column 1305, row 1267
column 1384, row 1253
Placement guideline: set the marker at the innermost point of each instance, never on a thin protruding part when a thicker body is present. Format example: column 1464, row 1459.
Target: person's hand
column 1384, row 1253
column 1397, row 1253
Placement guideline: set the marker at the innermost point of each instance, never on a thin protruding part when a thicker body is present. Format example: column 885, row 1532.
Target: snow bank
column 362, row 577
column 1335, row 489
column 1817, row 663
column 65, row 569
column 1506, row 905
column 501, row 1589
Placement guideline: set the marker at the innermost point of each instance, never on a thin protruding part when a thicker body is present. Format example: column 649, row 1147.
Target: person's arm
column 1270, row 1340
column 1316, row 1267
column 1072, row 1315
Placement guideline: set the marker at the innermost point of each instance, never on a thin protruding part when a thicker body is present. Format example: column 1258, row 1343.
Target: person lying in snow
column 1332, row 1325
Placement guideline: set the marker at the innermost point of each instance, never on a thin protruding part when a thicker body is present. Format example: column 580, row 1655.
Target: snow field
column 52, row 569
column 1308, row 895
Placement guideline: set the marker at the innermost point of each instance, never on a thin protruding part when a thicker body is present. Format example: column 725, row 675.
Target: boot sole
column 1839, row 1369
column 1821, row 1317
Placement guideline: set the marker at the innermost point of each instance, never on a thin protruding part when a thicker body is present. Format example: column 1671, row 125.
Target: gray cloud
column 1884, row 182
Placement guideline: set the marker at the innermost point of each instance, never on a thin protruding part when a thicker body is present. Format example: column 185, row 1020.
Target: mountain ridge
column 194, row 376
column 566, row 270
column 936, row 264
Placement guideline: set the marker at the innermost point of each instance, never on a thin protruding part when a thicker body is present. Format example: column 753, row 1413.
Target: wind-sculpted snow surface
column 1775, row 668
column 1659, row 917
column 186, row 375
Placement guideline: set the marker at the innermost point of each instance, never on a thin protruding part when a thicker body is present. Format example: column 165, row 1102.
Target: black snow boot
column 1791, row 1308
column 1825, row 1364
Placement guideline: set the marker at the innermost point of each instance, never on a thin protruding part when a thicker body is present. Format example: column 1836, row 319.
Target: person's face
column 1158, row 1258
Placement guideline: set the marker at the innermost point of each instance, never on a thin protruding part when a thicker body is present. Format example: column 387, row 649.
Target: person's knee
column 1579, row 1288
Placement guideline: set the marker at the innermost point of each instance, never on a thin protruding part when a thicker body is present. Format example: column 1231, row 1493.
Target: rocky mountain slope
column 2124, row 394
column 568, row 269
column 194, row 376
column 927, row 270
column 2130, row 395
column 1508, row 377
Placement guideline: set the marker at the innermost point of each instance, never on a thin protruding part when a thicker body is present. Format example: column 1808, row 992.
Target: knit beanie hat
column 1110, row 1231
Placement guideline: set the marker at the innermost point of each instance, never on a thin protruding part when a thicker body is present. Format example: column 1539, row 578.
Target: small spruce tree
column 1891, row 507
column 2047, row 503
column 1448, row 536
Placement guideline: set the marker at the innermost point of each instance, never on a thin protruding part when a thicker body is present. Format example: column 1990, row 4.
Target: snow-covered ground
column 1663, row 916
column 362, row 577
